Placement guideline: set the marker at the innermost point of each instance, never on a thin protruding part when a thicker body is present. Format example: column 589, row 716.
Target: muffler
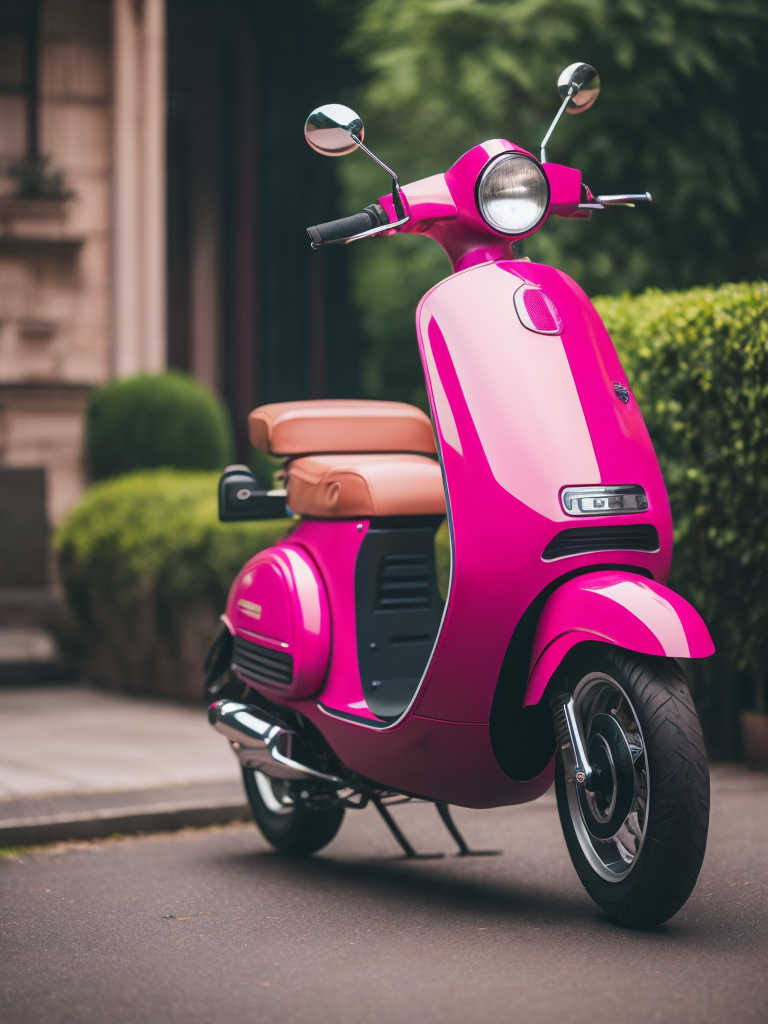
column 261, row 742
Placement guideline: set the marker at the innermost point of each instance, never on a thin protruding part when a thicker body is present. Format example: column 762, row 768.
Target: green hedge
column 160, row 419
column 698, row 364
column 146, row 563
column 146, row 566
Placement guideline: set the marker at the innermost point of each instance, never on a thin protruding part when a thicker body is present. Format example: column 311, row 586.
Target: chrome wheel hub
column 609, row 811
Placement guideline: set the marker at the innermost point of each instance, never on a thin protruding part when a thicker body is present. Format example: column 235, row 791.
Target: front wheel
column 291, row 827
column 637, row 832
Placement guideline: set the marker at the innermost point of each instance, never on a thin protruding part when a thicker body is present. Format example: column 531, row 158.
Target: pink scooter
column 556, row 651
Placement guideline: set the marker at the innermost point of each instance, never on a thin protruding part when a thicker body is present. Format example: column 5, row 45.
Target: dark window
column 18, row 80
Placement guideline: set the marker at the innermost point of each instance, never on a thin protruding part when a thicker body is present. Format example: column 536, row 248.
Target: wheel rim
column 275, row 794
column 611, row 820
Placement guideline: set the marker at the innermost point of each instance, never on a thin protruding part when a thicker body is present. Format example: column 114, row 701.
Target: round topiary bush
column 152, row 420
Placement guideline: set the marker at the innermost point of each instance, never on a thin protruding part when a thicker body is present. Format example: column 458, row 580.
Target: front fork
column 570, row 741
column 605, row 791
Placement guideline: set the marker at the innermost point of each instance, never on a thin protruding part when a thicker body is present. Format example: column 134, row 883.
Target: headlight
column 513, row 195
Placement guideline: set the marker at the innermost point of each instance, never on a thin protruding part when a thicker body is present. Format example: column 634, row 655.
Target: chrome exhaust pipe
column 261, row 742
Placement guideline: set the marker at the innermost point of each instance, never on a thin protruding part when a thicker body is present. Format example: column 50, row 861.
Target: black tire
column 672, row 773
column 294, row 830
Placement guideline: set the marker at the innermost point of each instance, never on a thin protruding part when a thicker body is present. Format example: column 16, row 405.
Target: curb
column 102, row 823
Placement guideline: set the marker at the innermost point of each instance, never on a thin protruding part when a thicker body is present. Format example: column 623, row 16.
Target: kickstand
column 392, row 825
column 464, row 851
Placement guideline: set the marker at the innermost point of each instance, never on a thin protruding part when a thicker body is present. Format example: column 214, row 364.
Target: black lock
column 241, row 497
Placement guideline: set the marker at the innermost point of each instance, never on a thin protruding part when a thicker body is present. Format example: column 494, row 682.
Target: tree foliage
column 679, row 115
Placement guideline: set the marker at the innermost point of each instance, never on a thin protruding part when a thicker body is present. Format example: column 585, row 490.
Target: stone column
column 139, row 277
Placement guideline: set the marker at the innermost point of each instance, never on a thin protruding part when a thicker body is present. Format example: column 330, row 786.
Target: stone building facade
column 154, row 188
column 82, row 258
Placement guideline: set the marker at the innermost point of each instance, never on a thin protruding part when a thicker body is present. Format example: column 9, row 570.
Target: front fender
column 615, row 608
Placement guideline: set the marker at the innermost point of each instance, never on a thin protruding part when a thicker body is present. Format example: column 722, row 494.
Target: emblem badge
column 249, row 608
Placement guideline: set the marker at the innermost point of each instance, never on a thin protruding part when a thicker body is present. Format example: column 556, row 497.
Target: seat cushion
column 340, row 425
column 352, row 486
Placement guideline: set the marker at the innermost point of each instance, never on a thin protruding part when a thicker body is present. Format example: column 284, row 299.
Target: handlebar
column 373, row 216
column 625, row 199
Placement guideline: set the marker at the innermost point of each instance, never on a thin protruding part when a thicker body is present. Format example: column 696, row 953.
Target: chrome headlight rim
column 488, row 169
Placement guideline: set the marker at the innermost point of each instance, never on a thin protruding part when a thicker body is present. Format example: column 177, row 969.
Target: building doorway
column 252, row 310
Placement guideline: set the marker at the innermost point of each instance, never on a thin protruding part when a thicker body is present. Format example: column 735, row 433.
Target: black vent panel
column 404, row 583
column 260, row 664
column 579, row 540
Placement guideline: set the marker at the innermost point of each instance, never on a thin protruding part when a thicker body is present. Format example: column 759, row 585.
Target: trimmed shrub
column 698, row 364
column 164, row 419
column 146, row 566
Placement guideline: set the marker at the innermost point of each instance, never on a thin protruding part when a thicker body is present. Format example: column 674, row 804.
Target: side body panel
column 519, row 416
column 449, row 761
column 278, row 602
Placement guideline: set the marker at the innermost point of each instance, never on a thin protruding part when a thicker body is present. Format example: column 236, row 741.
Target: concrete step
column 31, row 654
column 48, row 819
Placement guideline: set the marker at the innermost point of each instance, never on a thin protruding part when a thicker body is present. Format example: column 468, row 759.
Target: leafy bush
column 164, row 419
column 146, row 566
column 698, row 364
column 438, row 77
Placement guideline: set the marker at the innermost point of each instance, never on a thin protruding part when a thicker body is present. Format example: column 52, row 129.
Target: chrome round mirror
column 330, row 129
column 583, row 83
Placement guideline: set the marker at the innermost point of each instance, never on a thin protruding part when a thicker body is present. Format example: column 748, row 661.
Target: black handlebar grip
column 372, row 217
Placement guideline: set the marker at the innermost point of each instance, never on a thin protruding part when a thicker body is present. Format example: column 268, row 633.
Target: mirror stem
column 558, row 115
column 396, row 199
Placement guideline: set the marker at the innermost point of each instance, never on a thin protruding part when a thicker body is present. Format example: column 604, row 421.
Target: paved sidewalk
column 77, row 762
column 80, row 763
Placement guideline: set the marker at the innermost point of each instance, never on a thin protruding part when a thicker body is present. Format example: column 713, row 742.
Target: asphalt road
column 358, row 935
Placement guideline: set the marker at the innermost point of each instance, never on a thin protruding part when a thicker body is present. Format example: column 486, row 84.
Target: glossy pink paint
column 440, row 760
column 637, row 614
column 482, row 396
column 518, row 416
column 443, row 207
column 279, row 601
column 333, row 547
column 565, row 189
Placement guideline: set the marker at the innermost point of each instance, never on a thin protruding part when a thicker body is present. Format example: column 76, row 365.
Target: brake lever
column 627, row 199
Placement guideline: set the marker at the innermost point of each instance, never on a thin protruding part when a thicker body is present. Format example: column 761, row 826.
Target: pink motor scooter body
column 528, row 398
column 279, row 606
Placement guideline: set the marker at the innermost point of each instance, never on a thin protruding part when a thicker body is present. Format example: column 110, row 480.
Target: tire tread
column 676, row 836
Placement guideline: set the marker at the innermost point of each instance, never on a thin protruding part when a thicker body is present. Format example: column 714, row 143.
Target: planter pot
column 754, row 739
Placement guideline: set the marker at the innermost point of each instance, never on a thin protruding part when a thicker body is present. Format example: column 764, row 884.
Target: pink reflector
column 542, row 311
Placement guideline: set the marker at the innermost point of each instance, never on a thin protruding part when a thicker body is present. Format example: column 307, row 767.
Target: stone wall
column 82, row 275
column 55, row 255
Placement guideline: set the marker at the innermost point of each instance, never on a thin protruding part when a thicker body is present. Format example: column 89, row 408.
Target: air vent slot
column 580, row 540
column 261, row 665
column 404, row 583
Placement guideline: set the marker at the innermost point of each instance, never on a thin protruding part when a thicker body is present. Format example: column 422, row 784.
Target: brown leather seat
column 340, row 425
column 350, row 486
